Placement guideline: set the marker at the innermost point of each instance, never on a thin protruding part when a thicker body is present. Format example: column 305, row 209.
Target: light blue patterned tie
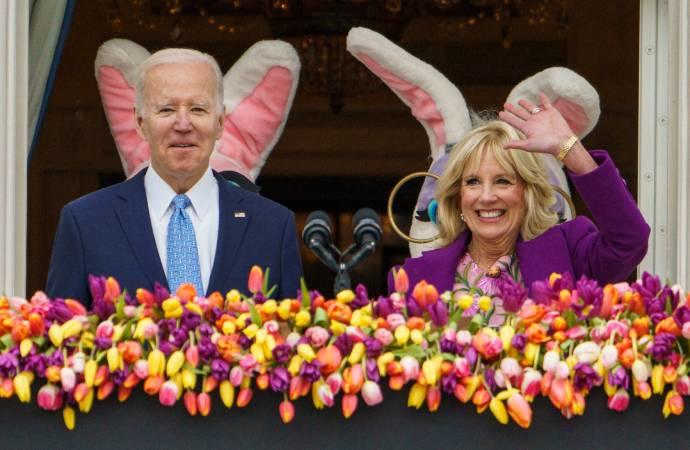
column 183, row 257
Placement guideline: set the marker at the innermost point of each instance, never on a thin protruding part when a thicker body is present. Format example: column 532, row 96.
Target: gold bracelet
column 565, row 147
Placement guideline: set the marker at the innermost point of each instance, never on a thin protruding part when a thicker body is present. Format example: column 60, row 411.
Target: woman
column 494, row 209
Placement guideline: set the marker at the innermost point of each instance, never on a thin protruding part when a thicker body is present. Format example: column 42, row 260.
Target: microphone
column 367, row 233
column 317, row 237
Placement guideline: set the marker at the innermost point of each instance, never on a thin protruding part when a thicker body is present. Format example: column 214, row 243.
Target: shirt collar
column 160, row 194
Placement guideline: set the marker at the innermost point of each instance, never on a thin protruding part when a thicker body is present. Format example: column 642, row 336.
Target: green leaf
column 264, row 288
column 7, row 341
column 127, row 331
column 448, row 357
column 570, row 318
column 456, row 316
column 476, row 323
column 320, row 317
column 120, row 306
column 306, row 301
column 256, row 318
column 414, row 351
column 270, row 292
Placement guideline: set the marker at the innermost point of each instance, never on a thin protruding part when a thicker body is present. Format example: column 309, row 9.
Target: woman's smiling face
column 492, row 200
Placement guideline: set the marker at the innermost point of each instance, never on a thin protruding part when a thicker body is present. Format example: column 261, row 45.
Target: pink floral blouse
column 472, row 280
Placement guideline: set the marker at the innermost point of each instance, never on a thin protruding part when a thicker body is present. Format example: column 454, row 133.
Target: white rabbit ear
column 571, row 94
column 116, row 64
column 259, row 90
column 433, row 100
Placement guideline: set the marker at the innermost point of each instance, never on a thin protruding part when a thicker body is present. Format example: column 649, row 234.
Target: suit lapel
column 136, row 224
column 232, row 226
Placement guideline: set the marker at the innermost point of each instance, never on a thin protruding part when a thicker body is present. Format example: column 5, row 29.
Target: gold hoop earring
column 462, row 217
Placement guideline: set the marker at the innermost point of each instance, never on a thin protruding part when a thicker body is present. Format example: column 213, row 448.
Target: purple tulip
column 8, row 364
column 59, row 312
column 220, row 369
column 589, row 298
column 413, row 308
column 281, row 353
column 512, row 292
column 383, row 307
column 372, row 370
column 361, row 296
column 310, row 370
column 373, row 347
column 279, row 378
column 586, row 377
column 344, row 344
column 160, row 293
column 438, row 312
column 681, row 315
column 519, row 341
column 662, row 346
column 619, row 377
column 448, row 383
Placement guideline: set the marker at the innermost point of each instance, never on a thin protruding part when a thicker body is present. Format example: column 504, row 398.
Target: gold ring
column 391, row 197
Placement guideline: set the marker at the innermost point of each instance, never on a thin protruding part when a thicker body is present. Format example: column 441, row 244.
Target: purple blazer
column 607, row 252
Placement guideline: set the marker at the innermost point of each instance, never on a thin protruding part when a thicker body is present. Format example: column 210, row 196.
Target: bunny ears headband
column 260, row 89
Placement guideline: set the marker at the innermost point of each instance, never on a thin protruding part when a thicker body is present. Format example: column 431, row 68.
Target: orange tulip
column 330, row 359
column 433, row 398
column 203, row 403
column 402, row 283
column 668, row 325
column 561, row 393
column 287, row 411
column 396, row 382
column 425, row 294
column 641, row 326
column 531, row 313
column 520, row 410
column 145, row 297
column 189, row 400
column 112, row 290
column 186, row 292
column 256, row 279
column 153, row 384
column 244, row 397
column 340, row 312
column 537, row 333
column 349, row 405
column 123, row 393
column 353, row 379
column 105, row 389
column 262, row 381
column 481, row 399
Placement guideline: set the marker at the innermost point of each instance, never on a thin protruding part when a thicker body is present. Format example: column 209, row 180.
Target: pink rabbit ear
column 116, row 64
column 433, row 100
column 259, row 91
column 570, row 93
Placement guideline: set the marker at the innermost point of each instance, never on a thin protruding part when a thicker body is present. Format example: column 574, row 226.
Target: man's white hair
column 176, row 56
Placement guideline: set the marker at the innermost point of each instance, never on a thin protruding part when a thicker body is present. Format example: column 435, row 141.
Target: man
column 177, row 221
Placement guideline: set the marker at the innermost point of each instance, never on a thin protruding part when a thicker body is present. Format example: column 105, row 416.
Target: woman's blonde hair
column 467, row 155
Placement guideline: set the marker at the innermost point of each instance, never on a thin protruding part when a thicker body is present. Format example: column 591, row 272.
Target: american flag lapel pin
column 240, row 214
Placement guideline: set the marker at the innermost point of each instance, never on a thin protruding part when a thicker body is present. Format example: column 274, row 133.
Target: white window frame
column 663, row 166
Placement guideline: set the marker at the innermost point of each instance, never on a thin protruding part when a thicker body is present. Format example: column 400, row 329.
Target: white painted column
column 663, row 166
column 14, row 40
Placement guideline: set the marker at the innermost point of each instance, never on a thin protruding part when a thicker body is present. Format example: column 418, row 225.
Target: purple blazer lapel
column 134, row 217
column 232, row 226
column 542, row 256
column 437, row 266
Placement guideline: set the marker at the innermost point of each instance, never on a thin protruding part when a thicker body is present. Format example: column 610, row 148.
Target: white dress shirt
column 203, row 212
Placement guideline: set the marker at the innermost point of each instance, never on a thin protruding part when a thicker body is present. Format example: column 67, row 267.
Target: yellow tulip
column 69, row 417
column 90, row 369
column 357, row 353
column 506, row 333
column 260, row 336
column 71, row 328
column 658, row 383
column 499, row 410
column 306, row 352
column 269, row 307
column 416, row 336
column 257, row 350
column 284, row 309
column 303, row 318
column 233, row 296
column 22, row 386
column 227, row 393
column 295, row 365
column 86, row 403
column 402, row 335
column 431, row 370
column 193, row 307
column 55, row 334
column 531, row 350
column 175, row 363
column 417, row 396
column 156, row 361
column 114, row 359
column 251, row 330
column 345, row 296
column 25, row 347
column 383, row 360
column 337, row 328
column 229, row 327
column 188, row 378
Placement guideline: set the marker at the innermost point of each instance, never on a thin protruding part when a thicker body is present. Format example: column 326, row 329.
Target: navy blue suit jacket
column 108, row 232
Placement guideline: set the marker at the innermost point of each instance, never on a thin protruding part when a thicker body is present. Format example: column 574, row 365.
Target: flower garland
column 570, row 337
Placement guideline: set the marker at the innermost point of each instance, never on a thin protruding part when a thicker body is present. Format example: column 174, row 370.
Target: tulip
column 683, row 385
column 531, row 383
column 69, row 417
column 481, row 399
column 53, row 374
column 417, row 396
column 402, row 335
column 49, row 398
column 402, row 282
column 673, row 404
column 425, row 294
column 189, row 399
column 188, row 377
column 86, row 403
column 244, row 397
column 123, row 393
column 551, row 360
column 609, row 356
column 410, row 367
column 619, row 401
column 131, row 380
column 175, row 363
column 325, row 395
column 286, row 411
column 658, row 382
column 640, row 371
column 168, row 393
column 561, row 393
column 356, row 354
column 499, row 410
column 330, row 359
column 71, row 328
column 90, row 369
column 433, row 398
column 55, row 334
column 520, row 410
column 371, row 393
column 335, row 382
column 78, row 362
column 642, row 389
column 80, row 391
column 236, row 376
column 68, row 378
column 105, row 389
column 141, row 369
column 511, row 368
column 353, row 379
column 156, row 361
column 349, row 405
column 114, row 359
column 506, row 333
column 431, row 370
column 256, row 280
column 6, row 388
column 153, row 384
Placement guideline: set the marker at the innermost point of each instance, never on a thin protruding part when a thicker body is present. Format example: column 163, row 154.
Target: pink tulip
column 686, row 330
column 395, row 320
column 68, row 378
column 141, row 369
column 189, row 400
column 683, row 385
column 385, row 337
column 511, row 368
column 520, row 410
column 192, row 355
column 531, row 383
column 325, row 394
column 335, row 382
column 203, row 402
column 673, row 404
column 50, row 398
column 402, row 282
column 371, row 393
column 463, row 337
column 433, row 398
column 461, row 367
column 236, row 376
column 577, row 332
column 287, row 411
column 244, row 397
column 353, row 379
column 620, row 328
column 619, row 401
column 168, row 393
column 349, row 405
column 561, row 393
column 410, row 367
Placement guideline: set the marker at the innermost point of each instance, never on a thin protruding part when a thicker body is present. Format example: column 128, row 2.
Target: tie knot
column 181, row 201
